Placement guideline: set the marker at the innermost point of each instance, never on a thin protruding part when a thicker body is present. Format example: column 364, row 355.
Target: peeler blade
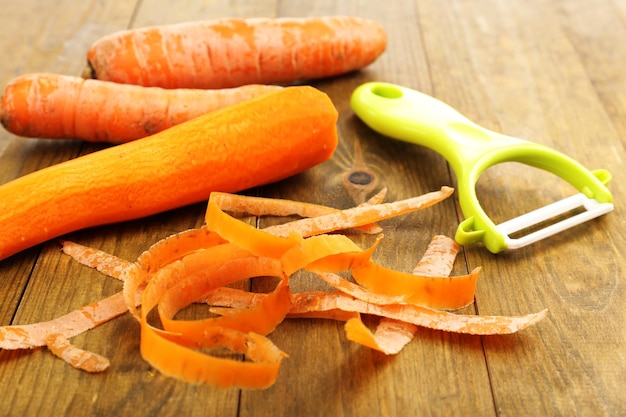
column 592, row 209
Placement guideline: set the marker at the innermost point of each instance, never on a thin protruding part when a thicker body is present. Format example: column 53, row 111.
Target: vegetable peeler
column 411, row 116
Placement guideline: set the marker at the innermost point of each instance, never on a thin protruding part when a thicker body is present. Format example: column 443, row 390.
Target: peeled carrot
column 255, row 142
column 233, row 52
column 60, row 106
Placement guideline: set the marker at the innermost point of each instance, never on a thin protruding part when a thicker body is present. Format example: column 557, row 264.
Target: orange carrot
column 234, row 52
column 61, row 106
column 255, row 142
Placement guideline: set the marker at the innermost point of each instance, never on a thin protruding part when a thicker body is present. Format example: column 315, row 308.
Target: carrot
column 60, row 106
column 255, row 142
column 233, row 52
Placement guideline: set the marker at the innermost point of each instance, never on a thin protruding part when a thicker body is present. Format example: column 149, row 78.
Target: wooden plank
column 326, row 374
column 50, row 41
column 57, row 285
column 522, row 71
column 545, row 71
column 154, row 12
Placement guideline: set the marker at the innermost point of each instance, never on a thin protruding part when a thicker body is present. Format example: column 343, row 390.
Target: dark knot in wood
column 360, row 178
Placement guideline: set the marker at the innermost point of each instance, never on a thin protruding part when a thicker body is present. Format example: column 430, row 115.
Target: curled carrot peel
column 255, row 240
column 325, row 252
column 232, row 52
column 160, row 255
column 197, row 265
column 172, row 352
column 196, row 367
column 438, row 260
column 433, row 291
column 391, row 335
column 262, row 318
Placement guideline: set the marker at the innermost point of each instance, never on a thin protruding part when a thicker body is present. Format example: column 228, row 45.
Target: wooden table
column 549, row 71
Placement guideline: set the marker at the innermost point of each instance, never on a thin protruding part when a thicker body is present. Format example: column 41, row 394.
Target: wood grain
column 548, row 71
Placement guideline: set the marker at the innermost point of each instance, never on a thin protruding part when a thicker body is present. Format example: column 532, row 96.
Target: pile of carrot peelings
column 198, row 266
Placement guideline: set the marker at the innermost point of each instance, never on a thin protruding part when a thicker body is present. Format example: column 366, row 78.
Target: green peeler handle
column 408, row 115
column 411, row 116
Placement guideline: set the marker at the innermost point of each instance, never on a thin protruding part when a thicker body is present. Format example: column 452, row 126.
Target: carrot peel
column 195, row 266
column 197, row 367
column 78, row 358
column 28, row 336
column 261, row 318
column 449, row 293
column 392, row 335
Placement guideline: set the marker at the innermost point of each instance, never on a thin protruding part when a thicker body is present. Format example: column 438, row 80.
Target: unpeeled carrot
column 255, row 142
column 45, row 105
column 233, row 52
